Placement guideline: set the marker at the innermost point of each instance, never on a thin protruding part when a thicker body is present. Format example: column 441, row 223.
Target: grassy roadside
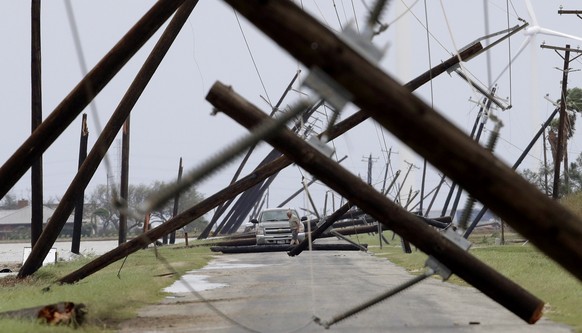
column 109, row 297
column 523, row 264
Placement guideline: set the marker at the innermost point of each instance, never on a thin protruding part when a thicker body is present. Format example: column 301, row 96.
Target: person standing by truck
column 295, row 225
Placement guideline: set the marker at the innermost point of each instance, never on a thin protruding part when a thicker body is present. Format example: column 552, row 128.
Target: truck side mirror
column 254, row 221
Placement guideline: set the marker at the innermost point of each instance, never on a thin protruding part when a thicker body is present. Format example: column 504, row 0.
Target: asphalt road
column 272, row 292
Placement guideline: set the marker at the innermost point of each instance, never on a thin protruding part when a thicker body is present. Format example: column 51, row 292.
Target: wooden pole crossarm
column 410, row 227
column 549, row 226
column 490, row 96
column 560, row 48
column 569, row 11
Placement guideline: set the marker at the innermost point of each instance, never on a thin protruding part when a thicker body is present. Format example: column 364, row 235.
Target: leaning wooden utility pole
column 255, row 177
column 87, row 170
column 72, row 105
column 460, row 262
column 36, row 203
column 549, row 226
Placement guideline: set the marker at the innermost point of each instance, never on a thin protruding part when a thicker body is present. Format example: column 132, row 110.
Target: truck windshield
column 276, row 215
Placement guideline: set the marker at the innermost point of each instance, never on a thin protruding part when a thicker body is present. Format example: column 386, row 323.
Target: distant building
column 15, row 223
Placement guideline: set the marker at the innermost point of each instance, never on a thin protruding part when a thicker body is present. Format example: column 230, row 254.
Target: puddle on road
column 191, row 281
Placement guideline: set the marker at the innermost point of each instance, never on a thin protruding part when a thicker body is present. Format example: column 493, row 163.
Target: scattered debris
column 284, row 247
column 63, row 313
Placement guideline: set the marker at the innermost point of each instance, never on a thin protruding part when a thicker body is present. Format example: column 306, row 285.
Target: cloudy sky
column 172, row 118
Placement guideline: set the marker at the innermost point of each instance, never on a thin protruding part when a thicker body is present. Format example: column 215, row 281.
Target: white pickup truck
column 272, row 227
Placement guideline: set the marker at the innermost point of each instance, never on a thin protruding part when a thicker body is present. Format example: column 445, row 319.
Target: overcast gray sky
column 172, row 118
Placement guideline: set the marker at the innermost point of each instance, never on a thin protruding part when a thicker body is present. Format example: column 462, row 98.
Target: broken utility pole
column 256, row 177
column 407, row 225
column 549, row 226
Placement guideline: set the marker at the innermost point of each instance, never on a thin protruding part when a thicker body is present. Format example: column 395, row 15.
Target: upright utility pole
column 177, row 203
column 36, row 117
column 124, row 180
column 78, row 222
column 560, row 149
column 370, row 161
column 562, row 120
column 545, row 165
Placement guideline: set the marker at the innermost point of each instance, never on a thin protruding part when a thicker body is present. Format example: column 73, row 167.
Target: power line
column 252, row 58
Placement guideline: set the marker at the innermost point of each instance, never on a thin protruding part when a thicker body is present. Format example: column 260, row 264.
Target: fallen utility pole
column 256, row 177
column 70, row 107
column 321, row 229
column 549, row 226
column 90, row 165
column 408, row 226
column 360, row 116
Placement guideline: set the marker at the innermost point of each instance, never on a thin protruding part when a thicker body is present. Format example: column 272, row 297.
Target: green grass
column 109, row 298
column 523, row 264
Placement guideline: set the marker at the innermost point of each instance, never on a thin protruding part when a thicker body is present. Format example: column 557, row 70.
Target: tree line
column 101, row 213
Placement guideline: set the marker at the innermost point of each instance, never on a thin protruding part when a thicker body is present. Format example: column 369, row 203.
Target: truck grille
column 277, row 231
